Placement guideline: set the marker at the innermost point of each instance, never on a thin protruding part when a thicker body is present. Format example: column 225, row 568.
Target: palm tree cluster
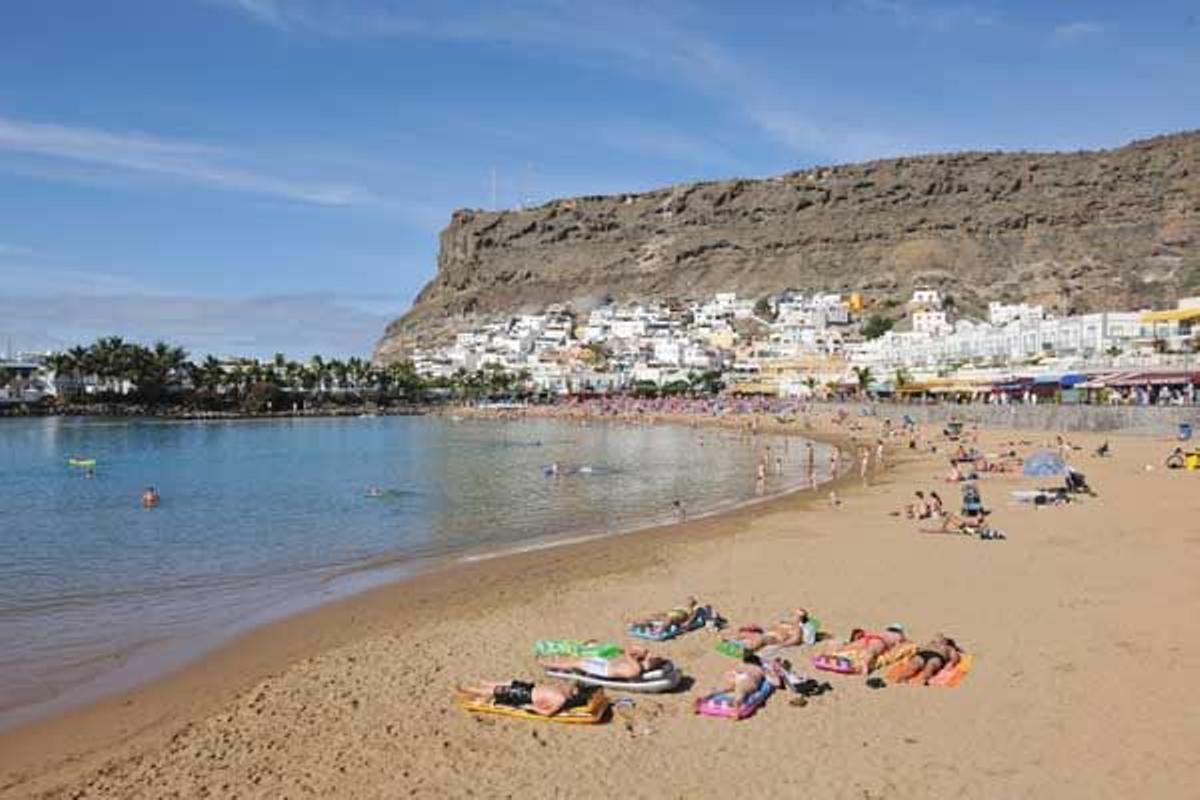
column 164, row 373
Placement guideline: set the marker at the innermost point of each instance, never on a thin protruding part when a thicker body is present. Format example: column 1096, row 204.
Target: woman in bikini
column 784, row 633
column 870, row 645
column 681, row 617
column 746, row 678
column 931, row 659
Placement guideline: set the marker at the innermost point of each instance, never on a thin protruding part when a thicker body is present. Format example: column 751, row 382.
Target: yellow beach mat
column 949, row 678
column 589, row 713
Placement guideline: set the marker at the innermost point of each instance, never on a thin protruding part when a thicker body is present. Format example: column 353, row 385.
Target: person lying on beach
column 953, row 523
column 681, row 616
column 870, row 645
column 919, row 509
column 546, row 698
column 627, row 666
column 785, row 633
column 745, row 679
column 931, row 659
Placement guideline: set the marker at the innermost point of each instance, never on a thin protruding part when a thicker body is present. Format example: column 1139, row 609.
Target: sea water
column 259, row 519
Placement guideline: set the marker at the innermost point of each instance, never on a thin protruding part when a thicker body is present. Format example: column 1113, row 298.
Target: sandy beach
column 1082, row 625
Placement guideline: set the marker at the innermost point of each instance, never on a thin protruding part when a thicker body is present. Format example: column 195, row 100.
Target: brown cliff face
column 1075, row 231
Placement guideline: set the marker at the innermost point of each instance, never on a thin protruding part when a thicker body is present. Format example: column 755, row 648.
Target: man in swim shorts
column 932, row 658
column 546, row 698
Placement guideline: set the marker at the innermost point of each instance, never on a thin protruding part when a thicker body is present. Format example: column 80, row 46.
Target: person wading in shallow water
column 150, row 497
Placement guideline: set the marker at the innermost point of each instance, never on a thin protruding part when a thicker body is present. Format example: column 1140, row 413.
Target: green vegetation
column 876, row 326
column 113, row 370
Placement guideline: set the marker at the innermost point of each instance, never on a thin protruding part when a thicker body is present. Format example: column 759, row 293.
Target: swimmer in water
column 374, row 492
column 150, row 497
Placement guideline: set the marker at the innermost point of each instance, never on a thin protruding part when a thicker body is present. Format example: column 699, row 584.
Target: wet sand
column 1082, row 624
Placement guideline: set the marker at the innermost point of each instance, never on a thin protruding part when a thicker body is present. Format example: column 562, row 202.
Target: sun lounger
column 589, row 710
column 658, row 680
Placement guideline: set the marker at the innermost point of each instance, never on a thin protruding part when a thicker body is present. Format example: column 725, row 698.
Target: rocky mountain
column 1075, row 231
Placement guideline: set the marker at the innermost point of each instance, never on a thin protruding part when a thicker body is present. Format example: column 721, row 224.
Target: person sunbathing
column 953, row 523
column 870, row 645
column 919, row 509
column 684, row 616
column 746, row 678
column 931, row 659
column 935, row 505
column 785, row 633
column 628, row 666
column 546, row 698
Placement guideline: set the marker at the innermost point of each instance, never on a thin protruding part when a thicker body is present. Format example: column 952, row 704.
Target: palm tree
column 864, row 377
column 811, row 384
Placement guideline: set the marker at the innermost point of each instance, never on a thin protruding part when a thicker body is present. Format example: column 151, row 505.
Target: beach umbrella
column 1045, row 464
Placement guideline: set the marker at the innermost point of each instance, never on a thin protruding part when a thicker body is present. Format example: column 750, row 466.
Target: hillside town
column 801, row 345
column 786, row 345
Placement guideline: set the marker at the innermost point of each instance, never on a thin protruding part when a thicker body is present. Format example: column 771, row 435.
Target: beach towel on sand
column 949, row 677
column 721, row 703
column 850, row 662
column 585, row 648
column 590, row 710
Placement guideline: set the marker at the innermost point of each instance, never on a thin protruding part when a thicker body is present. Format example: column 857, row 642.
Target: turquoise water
column 262, row 518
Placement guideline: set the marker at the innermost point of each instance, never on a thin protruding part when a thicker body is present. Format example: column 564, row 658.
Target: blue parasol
column 1045, row 464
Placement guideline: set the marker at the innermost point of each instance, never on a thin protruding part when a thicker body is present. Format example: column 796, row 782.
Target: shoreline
column 156, row 687
column 354, row 699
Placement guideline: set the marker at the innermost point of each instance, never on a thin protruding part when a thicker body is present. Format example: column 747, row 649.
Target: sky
column 260, row 176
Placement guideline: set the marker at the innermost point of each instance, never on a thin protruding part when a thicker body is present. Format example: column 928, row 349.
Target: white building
column 932, row 323
column 1004, row 313
column 926, row 298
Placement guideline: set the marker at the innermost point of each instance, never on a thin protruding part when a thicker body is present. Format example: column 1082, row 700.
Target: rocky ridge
column 1076, row 231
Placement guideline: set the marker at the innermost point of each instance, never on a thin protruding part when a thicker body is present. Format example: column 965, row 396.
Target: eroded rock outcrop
column 1076, row 231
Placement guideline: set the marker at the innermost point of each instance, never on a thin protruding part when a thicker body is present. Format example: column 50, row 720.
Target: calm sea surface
column 261, row 519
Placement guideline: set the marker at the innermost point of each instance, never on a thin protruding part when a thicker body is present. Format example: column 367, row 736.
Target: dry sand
column 1084, row 624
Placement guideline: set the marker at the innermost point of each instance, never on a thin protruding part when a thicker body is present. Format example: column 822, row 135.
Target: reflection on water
column 258, row 517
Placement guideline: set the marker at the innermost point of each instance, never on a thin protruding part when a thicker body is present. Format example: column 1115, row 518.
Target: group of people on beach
column 759, row 668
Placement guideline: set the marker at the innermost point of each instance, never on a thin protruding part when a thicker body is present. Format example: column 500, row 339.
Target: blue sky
column 262, row 175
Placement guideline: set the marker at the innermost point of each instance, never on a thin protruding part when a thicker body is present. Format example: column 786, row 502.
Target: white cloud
column 1073, row 31
column 653, row 42
column 192, row 162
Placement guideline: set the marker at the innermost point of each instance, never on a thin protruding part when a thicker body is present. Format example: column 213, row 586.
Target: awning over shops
column 1129, row 379
column 1172, row 315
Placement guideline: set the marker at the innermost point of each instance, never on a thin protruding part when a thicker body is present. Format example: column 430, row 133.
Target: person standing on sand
column 864, row 455
column 778, row 465
column 809, row 457
column 835, row 458
column 760, row 481
column 879, row 454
